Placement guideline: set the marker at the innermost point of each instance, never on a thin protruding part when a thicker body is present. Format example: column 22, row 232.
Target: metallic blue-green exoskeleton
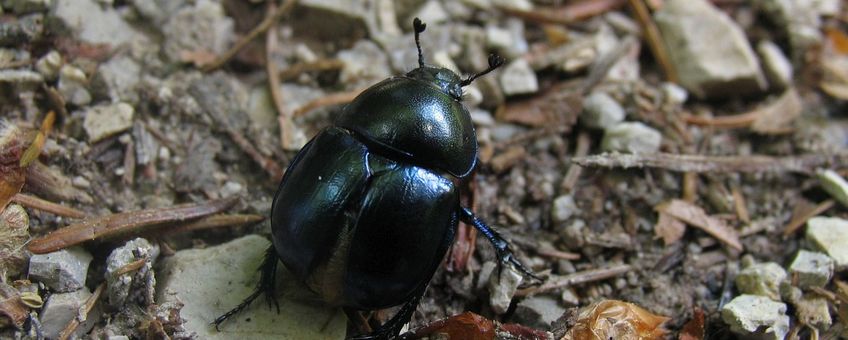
column 368, row 208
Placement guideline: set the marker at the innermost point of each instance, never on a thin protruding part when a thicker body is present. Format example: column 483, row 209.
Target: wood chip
column 128, row 223
column 697, row 217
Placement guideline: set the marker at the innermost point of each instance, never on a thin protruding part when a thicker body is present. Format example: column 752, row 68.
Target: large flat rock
column 211, row 281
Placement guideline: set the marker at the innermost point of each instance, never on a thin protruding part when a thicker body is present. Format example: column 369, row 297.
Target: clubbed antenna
column 495, row 61
column 419, row 27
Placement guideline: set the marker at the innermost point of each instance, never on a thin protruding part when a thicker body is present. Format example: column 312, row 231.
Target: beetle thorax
column 444, row 79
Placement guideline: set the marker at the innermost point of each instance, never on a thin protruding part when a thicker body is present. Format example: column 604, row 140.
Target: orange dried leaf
column 838, row 40
column 34, row 149
column 697, row 217
column 669, row 228
column 613, row 319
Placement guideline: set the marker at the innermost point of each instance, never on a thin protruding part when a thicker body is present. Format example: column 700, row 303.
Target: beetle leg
column 504, row 254
column 267, row 282
column 391, row 328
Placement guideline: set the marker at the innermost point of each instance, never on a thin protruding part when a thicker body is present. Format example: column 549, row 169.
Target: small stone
column 600, row 111
column 106, row 120
column 563, row 208
column 485, row 274
column 333, row 19
column 569, row 297
column 753, row 315
column 812, row 269
column 202, row 27
column 364, row 64
column 118, row 286
column 93, row 23
column 27, row 6
column 674, row 94
column 21, row 77
column 213, row 280
column 72, row 85
column 518, row 78
column 538, row 311
column 761, row 279
column 525, row 5
column 631, row 137
column 121, row 75
column 14, row 235
column 776, row 65
column 63, row 271
column 49, row 65
column 431, row 12
column 830, row 235
column 60, row 308
column 502, row 288
column 813, row 311
column 117, row 337
column 710, row 52
column 835, row 185
column 498, row 38
column 231, row 188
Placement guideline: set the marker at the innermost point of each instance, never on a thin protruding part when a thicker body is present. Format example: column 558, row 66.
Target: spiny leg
column 267, row 282
column 501, row 245
column 391, row 328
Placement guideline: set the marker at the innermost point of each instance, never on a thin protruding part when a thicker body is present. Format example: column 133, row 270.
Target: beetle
column 367, row 209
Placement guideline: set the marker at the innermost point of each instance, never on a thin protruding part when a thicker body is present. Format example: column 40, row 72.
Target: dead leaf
column 694, row 329
column 467, row 325
column 613, row 319
column 777, row 116
column 560, row 105
column 669, row 228
column 14, row 233
column 11, row 306
column 697, row 217
column 838, row 39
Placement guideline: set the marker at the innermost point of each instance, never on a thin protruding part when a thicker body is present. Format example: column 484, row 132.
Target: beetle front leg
column 504, row 254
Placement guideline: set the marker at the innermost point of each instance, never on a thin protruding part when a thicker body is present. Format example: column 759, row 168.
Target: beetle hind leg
column 391, row 328
column 266, row 285
column 505, row 255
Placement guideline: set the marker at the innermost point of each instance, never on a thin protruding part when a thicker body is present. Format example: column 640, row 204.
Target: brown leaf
column 838, row 40
column 14, row 233
column 11, row 306
column 463, row 326
column 669, row 228
column 613, row 319
column 697, row 217
column 694, row 329
column 557, row 106
column 777, row 117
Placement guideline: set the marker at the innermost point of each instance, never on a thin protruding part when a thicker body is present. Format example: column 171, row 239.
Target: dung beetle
column 368, row 208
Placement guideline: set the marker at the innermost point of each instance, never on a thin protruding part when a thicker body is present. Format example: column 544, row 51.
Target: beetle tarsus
column 504, row 254
column 391, row 328
column 266, row 285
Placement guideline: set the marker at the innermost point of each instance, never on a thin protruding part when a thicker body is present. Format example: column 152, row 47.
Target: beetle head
column 443, row 78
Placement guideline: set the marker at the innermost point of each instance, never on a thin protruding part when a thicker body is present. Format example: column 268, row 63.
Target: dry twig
column 576, row 278
column 255, row 32
column 569, row 14
column 124, row 223
column 654, row 39
column 214, row 221
column 83, row 313
column 584, row 143
column 801, row 217
column 701, row 163
column 34, row 202
column 332, row 99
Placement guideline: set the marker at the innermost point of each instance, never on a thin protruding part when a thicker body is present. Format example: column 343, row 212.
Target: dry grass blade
column 32, row 152
column 701, row 163
column 576, row 278
column 134, row 222
column 296, row 70
column 805, row 213
column 740, row 205
column 567, row 14
column 72, row 325
column 773, row 118
column 33, row 202
column 697, row 217
column 255, row 32
column 654, row 39
column 332, row 99
column 214, row 221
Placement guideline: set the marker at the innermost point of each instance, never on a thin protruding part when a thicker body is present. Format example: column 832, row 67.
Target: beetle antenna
column 495, row 61
column 419, row 27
